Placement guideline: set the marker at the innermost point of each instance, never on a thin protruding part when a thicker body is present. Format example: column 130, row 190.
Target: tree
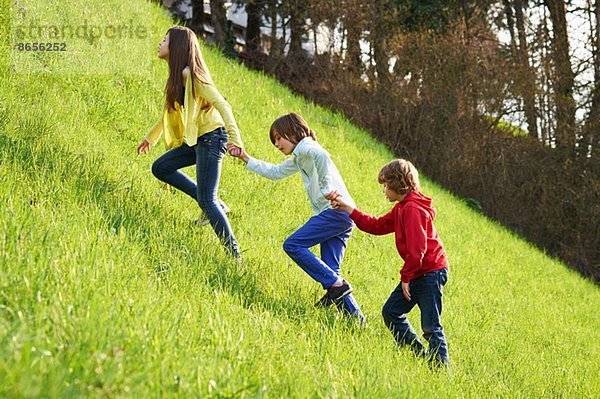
column 530, row 81
column 591, row 130
column 254, row 10
column 353, row 19
column 510, row 24
column 382, row 15
column 297, row 12
column 563, row 77
column 197, row 23
column 219, row 21
column 275, row 49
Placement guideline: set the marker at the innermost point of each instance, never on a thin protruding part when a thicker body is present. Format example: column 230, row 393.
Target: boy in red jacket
column 425, row 269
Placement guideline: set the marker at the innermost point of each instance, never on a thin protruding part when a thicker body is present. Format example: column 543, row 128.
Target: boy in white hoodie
column 331, row 228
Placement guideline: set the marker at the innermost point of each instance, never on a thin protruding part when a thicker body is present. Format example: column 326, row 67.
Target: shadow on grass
column 236, row 280
column 42, row 159
column 38, row 156
column 239, row 282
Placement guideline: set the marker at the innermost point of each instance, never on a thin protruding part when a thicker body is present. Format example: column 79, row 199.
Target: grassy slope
column 93, row 301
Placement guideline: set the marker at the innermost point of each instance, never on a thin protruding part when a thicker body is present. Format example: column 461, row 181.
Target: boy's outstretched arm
column 338, row 202
column 370, row 224
column 265, row 169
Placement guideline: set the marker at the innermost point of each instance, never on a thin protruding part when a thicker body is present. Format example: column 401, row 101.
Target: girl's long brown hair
column 184, row 51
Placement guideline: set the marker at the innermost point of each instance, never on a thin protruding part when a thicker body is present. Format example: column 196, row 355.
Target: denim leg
column 332, row 253
column 394, row 315
column 429, row 298
column 350, row 306
column 333, row 249
column 166, row 168
column 321, row 228
column 210, row 150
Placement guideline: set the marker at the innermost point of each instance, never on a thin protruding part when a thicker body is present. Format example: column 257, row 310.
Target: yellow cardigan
column 197, row 117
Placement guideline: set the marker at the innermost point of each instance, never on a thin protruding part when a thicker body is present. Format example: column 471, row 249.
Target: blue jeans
column 207, row 155
column 331, row 229
column 426, row 292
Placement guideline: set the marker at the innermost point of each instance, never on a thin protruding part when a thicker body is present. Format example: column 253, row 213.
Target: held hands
column 144, row 147
column 337, row 201
column 237, row 152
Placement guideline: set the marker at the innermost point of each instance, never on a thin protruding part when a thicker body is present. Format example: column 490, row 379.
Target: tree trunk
column 353, row 33
column 219, row 21
column 378, row 42
column 591, row 130
column 284, row 25
column 297, row 27
column 275, row 49
column 510, row 23
column 197, row 17
column 254, row 11
column 531, row 114
column 547, row 121
column 563, row 79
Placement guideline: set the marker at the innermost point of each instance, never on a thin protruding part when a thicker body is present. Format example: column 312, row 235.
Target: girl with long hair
column 198, row 126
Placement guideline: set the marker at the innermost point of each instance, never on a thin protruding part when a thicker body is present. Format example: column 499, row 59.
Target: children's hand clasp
column 337, row 201
column 332, row 195
column 234, row 150
column 237, row 152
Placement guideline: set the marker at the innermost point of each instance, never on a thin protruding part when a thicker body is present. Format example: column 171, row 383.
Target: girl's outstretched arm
column 212, row 95
column 151, row 138
column 155, row 132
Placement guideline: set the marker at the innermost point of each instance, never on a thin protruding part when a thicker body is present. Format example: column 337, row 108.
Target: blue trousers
column 426, row 292
column 207, row 155
column 331, row 229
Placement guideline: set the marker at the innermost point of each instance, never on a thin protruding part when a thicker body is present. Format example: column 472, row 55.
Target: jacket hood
column 419, row 200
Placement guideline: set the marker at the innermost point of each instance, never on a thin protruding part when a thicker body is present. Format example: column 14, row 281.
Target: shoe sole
column 324, row 304
column 342, row 295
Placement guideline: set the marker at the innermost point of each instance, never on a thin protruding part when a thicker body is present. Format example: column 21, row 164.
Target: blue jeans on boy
column 426, row 292
column 207, row 155
column 331, row 229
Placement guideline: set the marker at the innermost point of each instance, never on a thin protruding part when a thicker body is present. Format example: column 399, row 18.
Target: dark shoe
column 324, row 302
column 337, row 293
column 334, row 294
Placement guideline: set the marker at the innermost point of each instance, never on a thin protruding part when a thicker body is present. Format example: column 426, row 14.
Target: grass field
column 107, row 288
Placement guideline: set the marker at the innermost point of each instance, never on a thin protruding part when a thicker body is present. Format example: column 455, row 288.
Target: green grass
column 509, row 128
column 107, row 289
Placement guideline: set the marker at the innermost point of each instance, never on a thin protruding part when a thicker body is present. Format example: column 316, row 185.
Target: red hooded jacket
column 417, row 240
